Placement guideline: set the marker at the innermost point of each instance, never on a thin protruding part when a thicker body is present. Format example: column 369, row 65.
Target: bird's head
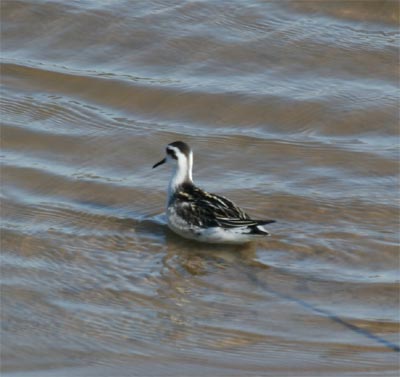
column 177, row 153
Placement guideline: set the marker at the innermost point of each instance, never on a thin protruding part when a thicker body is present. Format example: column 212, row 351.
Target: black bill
column 163, row 161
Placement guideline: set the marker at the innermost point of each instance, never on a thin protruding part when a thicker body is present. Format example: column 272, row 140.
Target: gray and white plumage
column 196, row 214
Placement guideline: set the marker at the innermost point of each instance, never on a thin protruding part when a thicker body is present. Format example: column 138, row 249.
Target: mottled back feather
column 203, row 209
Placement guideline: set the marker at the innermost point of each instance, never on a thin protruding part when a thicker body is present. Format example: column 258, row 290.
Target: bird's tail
column 259, row 228
column 264, row 222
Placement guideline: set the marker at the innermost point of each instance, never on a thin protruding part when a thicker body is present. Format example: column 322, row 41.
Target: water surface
column 292, row 111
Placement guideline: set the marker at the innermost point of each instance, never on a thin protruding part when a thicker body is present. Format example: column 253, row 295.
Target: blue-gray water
column 291, row 108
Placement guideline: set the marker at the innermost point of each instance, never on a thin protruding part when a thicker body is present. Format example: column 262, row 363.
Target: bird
column 199, row 215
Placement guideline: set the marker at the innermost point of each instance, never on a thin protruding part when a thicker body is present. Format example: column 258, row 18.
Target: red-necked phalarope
column 196, row 214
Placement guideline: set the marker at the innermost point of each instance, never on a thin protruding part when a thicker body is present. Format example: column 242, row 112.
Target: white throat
column 181, row 174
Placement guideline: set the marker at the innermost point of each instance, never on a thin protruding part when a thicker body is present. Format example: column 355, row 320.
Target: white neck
column 181, row 174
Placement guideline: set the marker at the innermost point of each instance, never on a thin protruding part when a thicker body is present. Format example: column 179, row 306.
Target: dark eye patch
column 171, row 153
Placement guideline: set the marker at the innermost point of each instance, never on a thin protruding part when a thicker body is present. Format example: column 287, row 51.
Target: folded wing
column 203, row 209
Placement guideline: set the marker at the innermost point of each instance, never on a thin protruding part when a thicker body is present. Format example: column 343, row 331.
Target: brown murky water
column 291, row 108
